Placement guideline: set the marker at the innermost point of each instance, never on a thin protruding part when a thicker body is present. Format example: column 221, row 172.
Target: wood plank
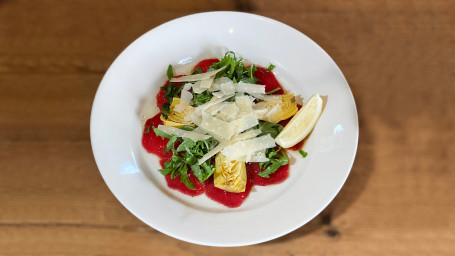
column 56, row 182
column 100, row 241
column 37, row 107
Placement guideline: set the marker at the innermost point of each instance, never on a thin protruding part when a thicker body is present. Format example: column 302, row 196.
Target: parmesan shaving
column 260, row 113
column 197, row 87
column 246, row 147
column 182, row 133
column 249, row 88
column 196, row 77
column 213, row 101
column 258, row 95
column 185, row 98
column 218, row 94
column 228, row 111
column 227, row 88
column 207, row 83
column 245, row 104
column 276, row 99
column 243, row 136
column 274, row 114
column 256, row 157
column 199, row 130
column 244, row 123
column 246, row 135
column 216, row 85
column 216, row 127
column 213, row 152
column 214, row 109
column 196, row 116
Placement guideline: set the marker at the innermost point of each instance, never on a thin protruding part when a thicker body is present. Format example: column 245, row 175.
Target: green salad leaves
column 277, row 158
column 170, row 72
column 186, row 157
column 269, row 128
column 171, row 91
column 303, row 153
column 235, row 69
column 186, row 153
column 201, row 98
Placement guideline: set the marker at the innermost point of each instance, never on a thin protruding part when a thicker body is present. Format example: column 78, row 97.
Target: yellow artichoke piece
column 279, row 111
column 288, row 97
column 288, row 109
column 177, row 119
column 229, row 175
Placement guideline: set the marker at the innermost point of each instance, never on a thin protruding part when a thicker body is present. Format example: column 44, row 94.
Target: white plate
column 128, row 90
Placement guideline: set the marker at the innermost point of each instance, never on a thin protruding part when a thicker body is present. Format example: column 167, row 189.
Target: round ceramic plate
column 126, row 97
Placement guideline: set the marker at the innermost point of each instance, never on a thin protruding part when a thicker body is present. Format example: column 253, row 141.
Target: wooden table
column 399, row 59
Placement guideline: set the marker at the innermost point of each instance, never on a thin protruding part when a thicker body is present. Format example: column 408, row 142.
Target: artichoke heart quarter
column 273, row 111
column 177, row 119
column 229, row 175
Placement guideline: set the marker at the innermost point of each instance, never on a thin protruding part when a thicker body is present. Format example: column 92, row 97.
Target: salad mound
column 217, row 129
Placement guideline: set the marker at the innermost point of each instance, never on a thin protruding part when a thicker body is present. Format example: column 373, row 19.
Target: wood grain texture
column 398, row 57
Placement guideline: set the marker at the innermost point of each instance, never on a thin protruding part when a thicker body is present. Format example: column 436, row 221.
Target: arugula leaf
column 170, row 143
column 161, row 134
column 197, row 70
column 177, row 167
column 196, row 169
column 186, row 157
column 201, row 98
column 231, row 99
column 270, row 169
column 303, row 153
column 172, row 167
column 170, row 72
column 165, row 109
column 190, row 159
column 186, row 145
column 203, row 173
column 269, row 128
column 147, row 131
column 271, row 67
column 251, row 71
column 249, row 80
column 171, row 90
column 273, row 90
column 223, row 61
column 235, row 69
column 277, row 158
column 187, row 128
column 184, row 177
column 209, row 169
column 167, row 168
column 203, row 147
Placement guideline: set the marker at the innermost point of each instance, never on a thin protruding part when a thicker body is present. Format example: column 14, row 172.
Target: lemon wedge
column 301, row 124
